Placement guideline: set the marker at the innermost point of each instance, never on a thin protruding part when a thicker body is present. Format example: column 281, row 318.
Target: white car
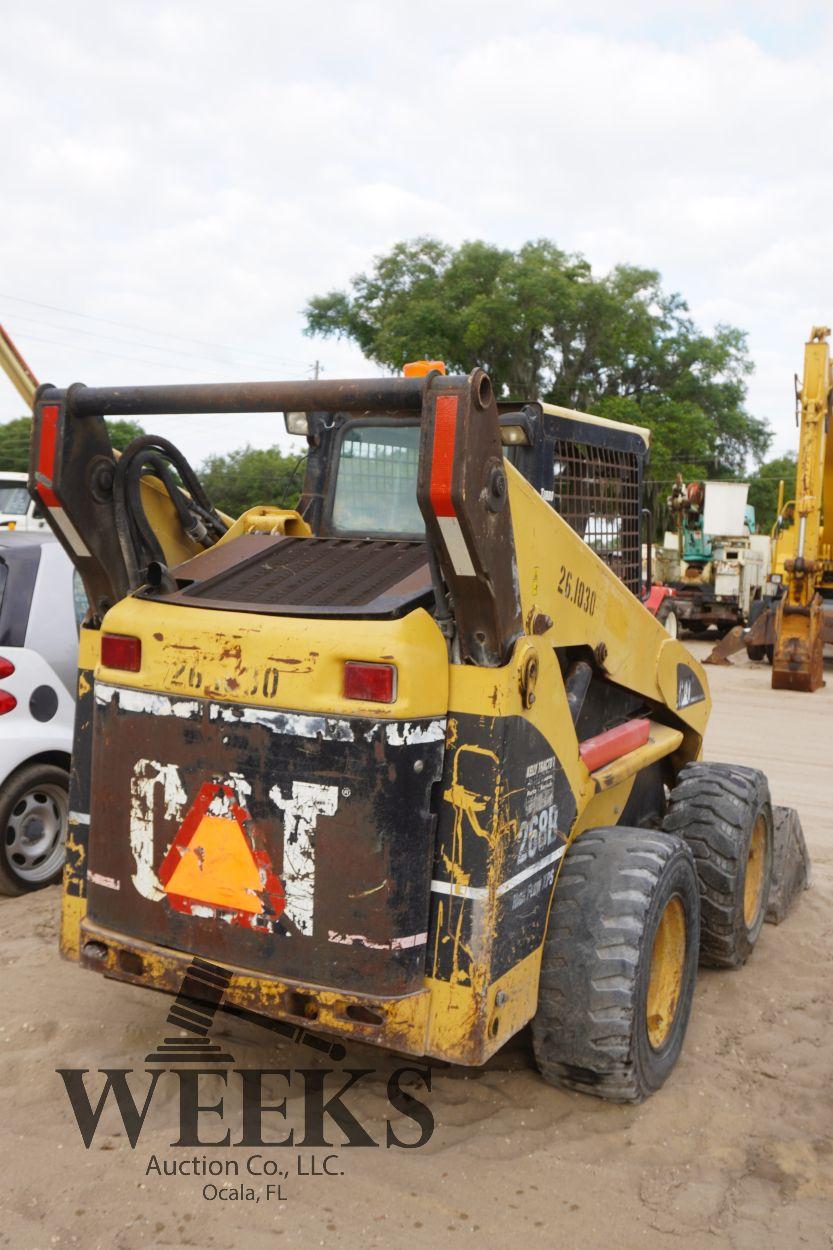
column 41, row 605
column 18, row 511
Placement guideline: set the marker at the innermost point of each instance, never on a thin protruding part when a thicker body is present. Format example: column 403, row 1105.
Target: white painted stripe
column 69, row 531
column 456, row 545
column 396, row 944
column 410, row 733
column 146, row 701
column 109, row 882
column 79, row 818
column 294, row 724
column 481, row 892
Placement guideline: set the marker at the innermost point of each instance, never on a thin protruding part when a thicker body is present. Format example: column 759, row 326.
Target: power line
column 99, row 351
column 125, row 325
column 111, row 338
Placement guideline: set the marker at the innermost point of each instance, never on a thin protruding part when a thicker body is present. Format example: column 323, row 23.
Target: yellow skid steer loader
column 412, row 764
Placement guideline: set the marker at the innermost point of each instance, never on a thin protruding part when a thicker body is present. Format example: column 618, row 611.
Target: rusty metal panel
column 308, row 856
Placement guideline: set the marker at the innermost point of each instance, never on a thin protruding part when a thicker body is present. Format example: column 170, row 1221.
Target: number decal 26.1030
column 577, row 591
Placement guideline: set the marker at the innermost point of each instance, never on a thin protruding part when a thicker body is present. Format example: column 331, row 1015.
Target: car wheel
column 672, row 625
column 34, row 807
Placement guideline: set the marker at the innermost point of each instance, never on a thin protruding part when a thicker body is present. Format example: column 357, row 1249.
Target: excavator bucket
column 729, row 644
column 798, row 662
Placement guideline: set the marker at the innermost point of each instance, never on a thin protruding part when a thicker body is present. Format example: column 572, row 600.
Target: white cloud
column 202, row 169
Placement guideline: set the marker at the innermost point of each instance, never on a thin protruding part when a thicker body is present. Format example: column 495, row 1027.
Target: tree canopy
column 763, row 489
column 544, row 326
column 251, row 475
column 15, row 435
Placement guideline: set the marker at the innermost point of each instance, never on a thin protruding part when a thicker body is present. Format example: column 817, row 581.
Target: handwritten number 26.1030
column 577, row 591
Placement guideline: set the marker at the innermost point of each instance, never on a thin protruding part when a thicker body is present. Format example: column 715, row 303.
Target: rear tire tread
column 710, row 809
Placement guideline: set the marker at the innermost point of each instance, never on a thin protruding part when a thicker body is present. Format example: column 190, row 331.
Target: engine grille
column 328, row 575
column 596, row 490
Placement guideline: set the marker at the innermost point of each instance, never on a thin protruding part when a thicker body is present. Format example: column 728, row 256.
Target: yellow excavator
column 791, row 623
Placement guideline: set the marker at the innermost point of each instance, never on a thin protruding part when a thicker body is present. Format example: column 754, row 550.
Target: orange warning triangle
column 217, row 867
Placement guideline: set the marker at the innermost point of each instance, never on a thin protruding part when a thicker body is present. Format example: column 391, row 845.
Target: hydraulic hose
column 150, row 454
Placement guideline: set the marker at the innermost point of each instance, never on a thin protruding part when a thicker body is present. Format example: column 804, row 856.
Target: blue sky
column 195, row 171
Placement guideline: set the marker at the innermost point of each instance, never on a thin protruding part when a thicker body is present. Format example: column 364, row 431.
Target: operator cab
column 361, row 478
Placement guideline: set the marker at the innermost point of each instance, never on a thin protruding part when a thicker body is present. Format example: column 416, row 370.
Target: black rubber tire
column 715, row 808
column 590, row 1032
column 696, row 627
column 26, row 779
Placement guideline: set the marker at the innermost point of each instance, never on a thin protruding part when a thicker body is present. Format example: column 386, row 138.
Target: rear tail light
column 121, row 651
column 7, row 702
column 6, row 667
column 373, row 683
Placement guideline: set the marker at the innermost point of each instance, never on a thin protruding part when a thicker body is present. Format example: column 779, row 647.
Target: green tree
column 250, row 476
column 123, row 432
column 15, row 436
column 544, row 326
column 14, row 445
column 763, row 488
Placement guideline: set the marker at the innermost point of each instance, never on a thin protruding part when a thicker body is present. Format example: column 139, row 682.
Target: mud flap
column 790, row 864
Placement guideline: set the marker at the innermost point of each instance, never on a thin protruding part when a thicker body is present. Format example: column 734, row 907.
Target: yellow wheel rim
column 666, row 979
column 753, row 885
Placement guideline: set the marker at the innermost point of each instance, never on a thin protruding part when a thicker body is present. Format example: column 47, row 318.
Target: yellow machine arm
column 805, row 551
column 19, row 373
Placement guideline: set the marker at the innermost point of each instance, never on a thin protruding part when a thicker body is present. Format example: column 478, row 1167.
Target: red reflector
column 50, row 414
column 375, row 683
column 442, row 459
column 121, row 651
column 601, row 750
column 6, row 667
column 7, row 702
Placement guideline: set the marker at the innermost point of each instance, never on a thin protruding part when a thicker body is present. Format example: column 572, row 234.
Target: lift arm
column 19, row 373
column 799, row 622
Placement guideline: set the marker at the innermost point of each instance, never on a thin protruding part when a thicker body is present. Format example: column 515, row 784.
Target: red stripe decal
column 442, row 460
column 46, row 453
column 614, row 743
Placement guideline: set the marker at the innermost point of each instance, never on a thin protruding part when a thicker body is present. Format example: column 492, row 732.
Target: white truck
column 714, row 562
column 18, row 511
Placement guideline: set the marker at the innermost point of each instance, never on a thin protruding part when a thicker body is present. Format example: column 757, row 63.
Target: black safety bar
column 350, row 395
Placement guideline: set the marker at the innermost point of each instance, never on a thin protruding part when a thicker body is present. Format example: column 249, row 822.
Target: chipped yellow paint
column 662, row 741
column 89, row 648
column 73, row 911
column 296, row 663
column 403, row 1019
column 268, row 520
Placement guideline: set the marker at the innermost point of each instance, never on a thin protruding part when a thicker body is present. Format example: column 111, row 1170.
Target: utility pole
column 316, row 370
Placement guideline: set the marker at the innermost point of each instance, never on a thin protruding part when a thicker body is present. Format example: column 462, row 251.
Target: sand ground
column 735, row 1151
